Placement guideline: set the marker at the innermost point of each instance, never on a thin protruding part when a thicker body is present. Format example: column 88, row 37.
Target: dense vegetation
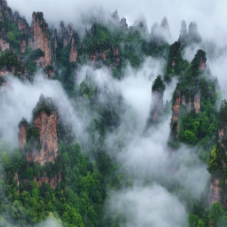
column 73, row 190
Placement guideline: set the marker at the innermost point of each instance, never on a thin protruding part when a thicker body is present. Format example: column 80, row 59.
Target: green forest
column 60, row 172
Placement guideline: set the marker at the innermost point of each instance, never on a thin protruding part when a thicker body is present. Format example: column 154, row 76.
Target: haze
column 210, row 15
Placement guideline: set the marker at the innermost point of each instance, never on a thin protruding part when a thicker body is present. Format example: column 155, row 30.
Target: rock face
column 22, row 136
column 197, row 103
column 73, row 51
column 53, row 181
column 215, row 190
column 65, row 34
column 41, row 38
column 55, row 41
column 124, row 23
column 183, row 32
column 4, row 45
column 156, row 105
column 193, row 32
column 46, row 124
column 165, row 29
column 176, row 114
column 23, row 45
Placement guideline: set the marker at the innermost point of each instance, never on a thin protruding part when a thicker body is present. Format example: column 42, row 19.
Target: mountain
column 93, row 147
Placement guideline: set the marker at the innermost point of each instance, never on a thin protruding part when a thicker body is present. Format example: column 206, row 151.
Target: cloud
column 147, row 206
column 208, row 13
column 18, row 99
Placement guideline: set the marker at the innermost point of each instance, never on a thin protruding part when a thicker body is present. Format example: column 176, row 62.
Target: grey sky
column 210, row 15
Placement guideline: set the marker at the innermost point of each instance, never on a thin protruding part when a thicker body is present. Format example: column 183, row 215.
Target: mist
column 205, row 13
column 159, row 176
column 18, row 99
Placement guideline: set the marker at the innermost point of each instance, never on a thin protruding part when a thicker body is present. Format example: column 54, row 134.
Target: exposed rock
column 183, row 32
column 215, row 190
column 202, row 65
column 176, row 114
column 41, row 37
column 156, row 105
column 22, row 136
column 53, row 181
column 65, row 34
column 55, row 41
column 94, row 56
column 183, row 100
column 124, row 23
column 4, row 71
column 73, row 51
column 165, row 29
column 16, row 178
column 23, row 46
column 4, row 45
column 115, row 51
column 115, row 15
column 197, row 103
column 193, row 32
column 21, row 22
column 158, row 89
column 190, row 104
column 46, row 124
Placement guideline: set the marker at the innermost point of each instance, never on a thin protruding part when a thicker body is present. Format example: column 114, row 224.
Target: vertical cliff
column 157, row 92
column 73, row 52
column 41, row 135
column 175, row 114
column 22, row 136
column 41, row 37
column 197, row 102
column 218, row 160
column 47, row 127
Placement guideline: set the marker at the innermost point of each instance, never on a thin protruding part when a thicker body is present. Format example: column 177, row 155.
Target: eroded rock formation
column 41, row 38
column 176, row 114
column 53, row 181
column 73, row 51
column 215, row 190
column 158, row 89
column 197, row 102
column 47, row 126
column 4, row 45
column 22, row 135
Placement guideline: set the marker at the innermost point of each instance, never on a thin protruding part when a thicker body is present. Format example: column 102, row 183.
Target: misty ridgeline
column 108, row 124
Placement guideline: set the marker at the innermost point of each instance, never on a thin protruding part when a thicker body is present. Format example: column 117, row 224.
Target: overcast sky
column 210, row 15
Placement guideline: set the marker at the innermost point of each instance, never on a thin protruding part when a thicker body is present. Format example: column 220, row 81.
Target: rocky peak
column 55, row 42
column 44, row 125
column 193, row 32
column 123, row 23
column 157, row 92
column 175, row 114
column 161, row 33
column 41, row 37
column 115, row 15
column 183, row 31
column 22, row 136
column 142, row 25
column 65, row 34
column 73, row 52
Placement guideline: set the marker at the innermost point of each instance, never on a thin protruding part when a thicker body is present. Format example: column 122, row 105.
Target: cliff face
column 197, row 103
column 4, row 45
column 41, row 38
column 215, row 190
column 46, row 124
column 156, row 105
column 53, row 181
column 176, row 115
column 73, row 51
column 22, row 136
